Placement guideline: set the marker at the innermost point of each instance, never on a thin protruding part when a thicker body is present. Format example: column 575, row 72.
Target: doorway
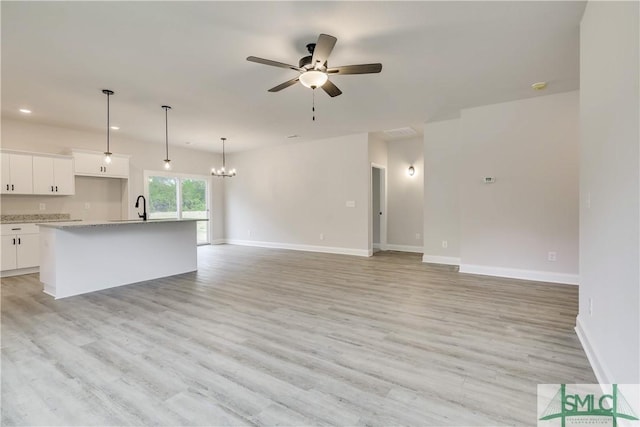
column 378, row 208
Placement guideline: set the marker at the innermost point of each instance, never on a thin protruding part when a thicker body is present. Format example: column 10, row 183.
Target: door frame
column 383, row 205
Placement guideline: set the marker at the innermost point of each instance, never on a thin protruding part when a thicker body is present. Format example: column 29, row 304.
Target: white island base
column 77, row 258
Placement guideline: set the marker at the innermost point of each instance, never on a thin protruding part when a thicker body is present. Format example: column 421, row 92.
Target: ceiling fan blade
column 356, row 69
column 331, row 89
column 284, row 85
column 323, row 49
column 273, row 63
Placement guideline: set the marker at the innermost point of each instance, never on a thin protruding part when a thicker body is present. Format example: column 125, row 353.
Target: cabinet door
column 8, row 257
column 21, row 170
column 63, row 179
column 88, row 164
column 118, row 168
column 43, row 175
column 6, row 175
column 28, row 250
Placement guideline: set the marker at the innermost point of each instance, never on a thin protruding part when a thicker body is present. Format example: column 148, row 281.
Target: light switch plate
column 351, row 203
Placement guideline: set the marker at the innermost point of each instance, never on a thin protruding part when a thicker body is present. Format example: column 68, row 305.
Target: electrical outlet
column 350, row 203
column 445, row 244
column 87, row 205
column 418, row 236
column 551, row 256
column 321, row 236
column 43, row 207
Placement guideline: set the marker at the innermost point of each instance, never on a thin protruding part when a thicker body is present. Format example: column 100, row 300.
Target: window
column 179, row 196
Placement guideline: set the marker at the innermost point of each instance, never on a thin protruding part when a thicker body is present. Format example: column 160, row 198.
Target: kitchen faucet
column 142, row 215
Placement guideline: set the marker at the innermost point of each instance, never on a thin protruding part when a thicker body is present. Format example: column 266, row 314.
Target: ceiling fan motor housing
column 305, row 62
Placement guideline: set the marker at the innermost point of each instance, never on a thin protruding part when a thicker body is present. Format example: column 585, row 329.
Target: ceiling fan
column 314, row 70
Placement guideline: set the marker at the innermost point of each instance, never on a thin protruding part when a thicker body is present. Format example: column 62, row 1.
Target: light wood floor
column 275, row 337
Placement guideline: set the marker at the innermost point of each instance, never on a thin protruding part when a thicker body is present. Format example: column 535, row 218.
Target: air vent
column 400, row 133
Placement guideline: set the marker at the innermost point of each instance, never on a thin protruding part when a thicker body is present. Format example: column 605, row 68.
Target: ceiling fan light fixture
column 313, row 79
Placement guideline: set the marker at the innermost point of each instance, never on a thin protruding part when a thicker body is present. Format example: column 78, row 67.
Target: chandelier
column 223, row 171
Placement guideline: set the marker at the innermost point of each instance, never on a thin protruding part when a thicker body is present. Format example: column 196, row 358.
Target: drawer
column 9, row 229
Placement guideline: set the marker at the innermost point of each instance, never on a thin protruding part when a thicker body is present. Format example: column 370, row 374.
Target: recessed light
column 25, row 111
column 293, row 136
column 115, row 127
column 539, row 86
column 188, row 142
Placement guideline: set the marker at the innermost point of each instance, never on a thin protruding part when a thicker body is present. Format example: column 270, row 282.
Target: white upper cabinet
column 17, row 173
column 93, row 164
column 53, row 175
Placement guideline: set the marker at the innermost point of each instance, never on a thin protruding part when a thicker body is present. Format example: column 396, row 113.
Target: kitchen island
column 81, row 257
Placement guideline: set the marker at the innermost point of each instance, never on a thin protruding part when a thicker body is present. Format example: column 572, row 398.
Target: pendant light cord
column 166, row 129
column 224, row 166
column 108, row 92
column 108, row 127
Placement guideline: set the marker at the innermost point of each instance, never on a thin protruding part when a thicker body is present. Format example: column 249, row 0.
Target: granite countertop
column 34, row 218
column 116, row 222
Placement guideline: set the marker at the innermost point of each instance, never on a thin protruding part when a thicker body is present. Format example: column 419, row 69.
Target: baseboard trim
column 218, row 242
column 513, row 273
column 602, row 373
column 436, row 259
column 296, row 247
column 404, row 248
column 19, row 271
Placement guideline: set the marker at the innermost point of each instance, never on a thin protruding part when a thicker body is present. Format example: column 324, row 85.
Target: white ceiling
column 438, row 57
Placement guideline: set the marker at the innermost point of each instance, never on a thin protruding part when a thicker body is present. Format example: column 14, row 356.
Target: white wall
column 531, row 147
column 609, row 191
column 287, row 196
column 441, row 192
column 506, row 228
column 23, row 135
column 405, row 194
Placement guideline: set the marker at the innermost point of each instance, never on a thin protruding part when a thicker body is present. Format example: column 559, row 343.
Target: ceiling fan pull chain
column 313, row 108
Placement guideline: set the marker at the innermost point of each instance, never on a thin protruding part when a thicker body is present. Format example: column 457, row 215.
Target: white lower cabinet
column 20, row 246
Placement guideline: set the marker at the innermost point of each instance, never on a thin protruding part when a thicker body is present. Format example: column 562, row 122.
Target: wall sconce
column 411, row 171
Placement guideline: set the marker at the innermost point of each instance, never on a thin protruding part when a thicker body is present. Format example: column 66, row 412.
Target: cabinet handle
column 56, row 188
column 105, row 168
column 11, row 187
column 14, row 241
column 7, row 187
column 15, row 229
column 52, row 188
column 19, row 241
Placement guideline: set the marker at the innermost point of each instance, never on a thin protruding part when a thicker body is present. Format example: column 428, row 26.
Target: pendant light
column 107, row 154
column 223, row 172
column 167, row 162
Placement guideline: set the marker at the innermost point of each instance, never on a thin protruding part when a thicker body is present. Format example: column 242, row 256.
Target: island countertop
column 81, row 257
column 115, row 222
